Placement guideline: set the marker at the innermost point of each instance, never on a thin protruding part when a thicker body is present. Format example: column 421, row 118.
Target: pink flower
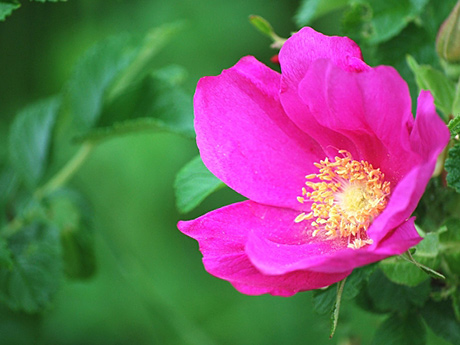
column 329, row 156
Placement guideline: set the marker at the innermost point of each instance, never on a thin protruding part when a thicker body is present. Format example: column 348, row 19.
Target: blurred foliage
column 106, row 264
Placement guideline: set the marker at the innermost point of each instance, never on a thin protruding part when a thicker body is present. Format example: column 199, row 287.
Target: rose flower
column 329, row 156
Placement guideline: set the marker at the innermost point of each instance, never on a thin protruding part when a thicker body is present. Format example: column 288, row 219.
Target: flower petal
column 308, row 45
column 274, row 258
column 222, row 235
column 372, row 109
column 246, row 139
column 428, row 138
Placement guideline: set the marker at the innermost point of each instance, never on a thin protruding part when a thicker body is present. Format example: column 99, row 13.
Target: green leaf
column 400, row 329
column 450, row 245
column 72, row 215
column 324, row 299
column 454, row 126
column 193, row 184
column 32, row 282
column 356, row 280
column 6, row 8
column 336, row 308
column 452, row 167
column 442, row 88
column 30, row 140
column 93, row 75
column 156, row 103
column 378, row 21
column 312, row 9
column 400, row 271
column 440, row 317
column 387, row 296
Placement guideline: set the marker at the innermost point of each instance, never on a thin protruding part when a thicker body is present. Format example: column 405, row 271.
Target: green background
column 150, row 286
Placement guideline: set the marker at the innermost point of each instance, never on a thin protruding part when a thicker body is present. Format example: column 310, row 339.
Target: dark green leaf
column 49, row 0
column 452, row 167
column 311, row 9
column 30, row 140
column 73, row 217
column 400, row 329
column 93, row 75
column 400, row 271
column 440, row 317
column 324, row 299
column 356, row 280
column 442, row 88
column 35, row 276
column 450, row 244
column 387, row 296
column 156, row 104
column 6, row 8
column 378, row 21
column 193, row 184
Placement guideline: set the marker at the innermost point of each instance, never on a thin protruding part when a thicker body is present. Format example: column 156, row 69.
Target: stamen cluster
column 349, row 197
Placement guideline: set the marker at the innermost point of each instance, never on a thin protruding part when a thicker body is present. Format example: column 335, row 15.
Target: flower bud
column 448, row 40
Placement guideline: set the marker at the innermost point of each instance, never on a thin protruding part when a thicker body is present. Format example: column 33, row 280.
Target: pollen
column 346, row 196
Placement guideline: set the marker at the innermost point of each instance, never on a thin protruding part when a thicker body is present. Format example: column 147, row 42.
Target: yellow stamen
column 350, row 195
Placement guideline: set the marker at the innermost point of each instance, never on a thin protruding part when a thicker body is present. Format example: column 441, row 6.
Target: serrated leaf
column 388, row 296
column 401, row 271
column 401, row 329
column 72, row 215
column 32, row 282
column 454, row 126
column 452, row 167
column 30, row 139
column 439, row 316
column 311, row 9
column 442, row 88
column 193, row 184
column 7, row 8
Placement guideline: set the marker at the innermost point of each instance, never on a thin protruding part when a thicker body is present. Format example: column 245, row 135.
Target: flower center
column 350, row 195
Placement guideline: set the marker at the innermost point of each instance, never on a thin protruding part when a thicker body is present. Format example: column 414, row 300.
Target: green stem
column 408, row 256
column 66, row 172
column 336, row 310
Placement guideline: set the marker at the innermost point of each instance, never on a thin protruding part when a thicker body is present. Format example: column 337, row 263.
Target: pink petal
column 274, row 258
column 428, row 138
column 372, row 109
column 222, row 235
column 308, row 45
column 296, row 57
column 246, row 139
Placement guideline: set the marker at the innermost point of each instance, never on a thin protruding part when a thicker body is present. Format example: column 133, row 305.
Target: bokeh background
column 150, row 286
